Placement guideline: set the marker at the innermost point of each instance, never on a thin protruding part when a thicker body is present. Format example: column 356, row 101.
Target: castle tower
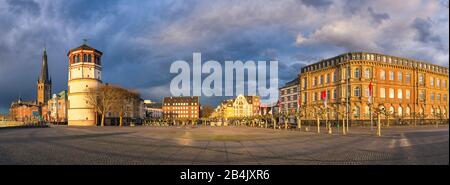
column 84, row 73
column 44, row 83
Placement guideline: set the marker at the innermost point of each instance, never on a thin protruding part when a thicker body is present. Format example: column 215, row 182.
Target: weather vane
column 85, row 41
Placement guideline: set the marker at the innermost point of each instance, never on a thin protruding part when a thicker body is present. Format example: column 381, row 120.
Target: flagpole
column 371, row 117
column 347, row 94
column 371, row 105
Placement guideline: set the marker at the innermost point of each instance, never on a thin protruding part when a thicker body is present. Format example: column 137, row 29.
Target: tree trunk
column 379, row 126
column 318, row 125
column 103, row 120
column 285, row 124
column 329, row 127
column 121, row 120
column 274, row 123
column 343, row 126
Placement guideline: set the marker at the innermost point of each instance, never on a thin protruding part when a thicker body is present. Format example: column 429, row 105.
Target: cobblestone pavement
column 221, row 145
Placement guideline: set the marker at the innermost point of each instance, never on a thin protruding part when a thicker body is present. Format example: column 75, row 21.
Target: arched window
column 335, row 76
column 400, row 111
column 74, row 59
column 382, row 92
column 357, row 73
column 421, row 110
column 391, row 110
column 399, row 93
column 90, row 58
column 408, row 111
column 391, row 93
column 357, row 111
column 84, row 58
column 366, row 111
column 408, row 78
column 357, row 92
column 382, row 75
column 78, row 58
column 367, row 73
column 438, row 110
column 432, row 111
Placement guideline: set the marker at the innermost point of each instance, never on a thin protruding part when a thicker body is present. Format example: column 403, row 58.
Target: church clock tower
column 44, row 83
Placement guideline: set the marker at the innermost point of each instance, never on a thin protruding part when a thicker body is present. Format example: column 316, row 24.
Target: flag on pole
column 370, row 92
column 323, row 96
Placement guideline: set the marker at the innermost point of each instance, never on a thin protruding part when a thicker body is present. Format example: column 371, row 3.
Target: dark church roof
column 84, row 47
column 44, row 77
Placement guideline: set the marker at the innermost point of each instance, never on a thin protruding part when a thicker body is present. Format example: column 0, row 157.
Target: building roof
column 325, row 63
column 153, row 105
column 181, row 99
column 84, row 47
column 23, row 103
column 44, row 77
column 62, row 94
column 230, row 102
column 291, row 83
column 250, row 99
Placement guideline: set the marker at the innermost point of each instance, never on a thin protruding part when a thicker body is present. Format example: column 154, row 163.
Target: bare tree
column 102, row 100
column 206, row 111
column 124, row 100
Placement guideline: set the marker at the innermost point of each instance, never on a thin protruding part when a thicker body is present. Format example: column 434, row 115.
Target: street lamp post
column 379, row 125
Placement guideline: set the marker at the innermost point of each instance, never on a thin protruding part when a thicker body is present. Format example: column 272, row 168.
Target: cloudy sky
column 140, row 39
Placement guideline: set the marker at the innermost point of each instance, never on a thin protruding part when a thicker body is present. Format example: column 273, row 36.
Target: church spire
column 44, row 77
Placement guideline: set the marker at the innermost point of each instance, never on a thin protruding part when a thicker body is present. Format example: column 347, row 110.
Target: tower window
column 84, row 58
column 89, row 58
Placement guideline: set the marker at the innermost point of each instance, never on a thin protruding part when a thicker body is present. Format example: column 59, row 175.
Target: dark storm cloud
column 317, row 3
column 424, row 32
column 378, row 17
